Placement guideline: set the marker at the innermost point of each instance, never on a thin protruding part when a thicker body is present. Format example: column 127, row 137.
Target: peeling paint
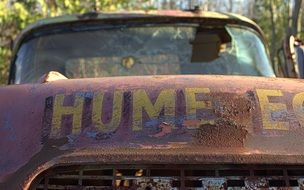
column 228, row 125
column 223, row 133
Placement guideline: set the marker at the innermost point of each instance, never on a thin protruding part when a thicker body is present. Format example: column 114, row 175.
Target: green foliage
column 272, row 16
column 15, row 15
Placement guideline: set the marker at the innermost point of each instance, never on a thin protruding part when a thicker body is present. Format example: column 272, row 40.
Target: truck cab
column 98, row 45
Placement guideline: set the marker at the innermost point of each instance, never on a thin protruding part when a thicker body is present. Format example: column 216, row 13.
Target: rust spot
column 223, row 133
column 234, row 108
column 228, row 104
column 165, row 128
column 256, row 183
column 191, row 122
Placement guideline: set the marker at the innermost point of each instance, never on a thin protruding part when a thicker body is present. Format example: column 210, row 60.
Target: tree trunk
column 230, row 6
column 251, row 9
column 273, row 33
column 295, row 16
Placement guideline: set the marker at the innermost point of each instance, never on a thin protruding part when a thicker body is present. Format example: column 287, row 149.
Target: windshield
column 144, row 50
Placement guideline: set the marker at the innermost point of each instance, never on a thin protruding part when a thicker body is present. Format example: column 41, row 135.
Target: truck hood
column 151, row 119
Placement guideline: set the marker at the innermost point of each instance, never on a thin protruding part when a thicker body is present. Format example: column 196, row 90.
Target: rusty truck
column 149, row 100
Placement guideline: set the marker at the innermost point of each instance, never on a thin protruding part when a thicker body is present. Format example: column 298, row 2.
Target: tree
column 15, row 15
column 293, row 28
column 272, row 16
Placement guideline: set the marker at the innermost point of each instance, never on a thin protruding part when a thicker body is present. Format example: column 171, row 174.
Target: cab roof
column 143, row 15
column 137, row 14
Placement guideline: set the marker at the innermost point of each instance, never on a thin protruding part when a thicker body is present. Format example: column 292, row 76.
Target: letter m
column 141, row 101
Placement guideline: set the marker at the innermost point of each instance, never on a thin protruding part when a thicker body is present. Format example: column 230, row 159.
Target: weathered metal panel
column 153, row 119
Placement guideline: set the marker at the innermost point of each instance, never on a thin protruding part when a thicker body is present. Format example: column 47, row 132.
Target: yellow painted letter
column 59, row 110
column 298, row 108
column 268, row 108
column 141, row 101
column 116, row 111
column 192, row 104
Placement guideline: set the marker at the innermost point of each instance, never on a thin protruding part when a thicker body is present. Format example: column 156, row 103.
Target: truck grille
column 192, row 177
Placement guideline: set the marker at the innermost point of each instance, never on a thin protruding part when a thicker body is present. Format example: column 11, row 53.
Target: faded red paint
column 27, row 148
column 165, row 130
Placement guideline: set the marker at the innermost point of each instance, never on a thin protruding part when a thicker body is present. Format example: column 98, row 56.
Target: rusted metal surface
column 153, row 119
column 164, row 177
